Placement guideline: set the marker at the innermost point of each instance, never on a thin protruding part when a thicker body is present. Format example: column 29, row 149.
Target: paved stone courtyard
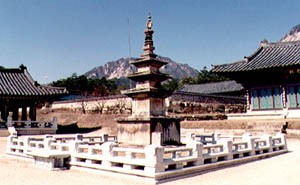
column 283, row 169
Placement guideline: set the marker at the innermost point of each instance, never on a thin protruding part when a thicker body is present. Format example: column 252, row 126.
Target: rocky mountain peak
column 292, row 35
column 121, row 68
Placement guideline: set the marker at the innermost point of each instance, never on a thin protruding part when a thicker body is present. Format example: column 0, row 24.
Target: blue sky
column 56, row 38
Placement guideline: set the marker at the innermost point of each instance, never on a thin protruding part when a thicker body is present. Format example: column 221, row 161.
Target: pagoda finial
column 149, row 22
column 148, row 45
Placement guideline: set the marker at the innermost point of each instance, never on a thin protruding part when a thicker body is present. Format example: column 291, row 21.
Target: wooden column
column 24, row 113
column 2, row 111
column 15, row 111
column 284, row 97
column 32, row 112
column 5, row 112
column 248, row 99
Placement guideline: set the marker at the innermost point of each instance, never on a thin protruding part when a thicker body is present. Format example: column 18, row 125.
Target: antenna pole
column 129, row 44
column 129, row 48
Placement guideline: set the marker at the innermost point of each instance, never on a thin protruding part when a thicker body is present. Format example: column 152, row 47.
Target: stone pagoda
column 148, row 123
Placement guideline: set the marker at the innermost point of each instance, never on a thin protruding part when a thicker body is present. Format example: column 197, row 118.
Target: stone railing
column 204, row 138
column 111, row 157
column 22, row 145
column 33, row 127
column 197, row 157
column 153, row 161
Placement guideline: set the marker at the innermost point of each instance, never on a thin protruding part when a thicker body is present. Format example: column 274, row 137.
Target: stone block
column 157, row 138
column 135, row 133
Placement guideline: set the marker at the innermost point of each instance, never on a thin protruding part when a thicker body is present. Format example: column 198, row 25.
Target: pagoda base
column 146, row 131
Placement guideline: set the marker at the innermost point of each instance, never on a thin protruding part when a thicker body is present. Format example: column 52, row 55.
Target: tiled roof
column 18, row 82
column 213, row 88
column 268, row 55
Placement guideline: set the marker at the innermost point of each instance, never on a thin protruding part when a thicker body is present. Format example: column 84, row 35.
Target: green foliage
column 188, row 80
column 81, row 85
column 204, row 76
column 171, row 85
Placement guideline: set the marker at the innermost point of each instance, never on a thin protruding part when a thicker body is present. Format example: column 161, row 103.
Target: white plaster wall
column 92, row 104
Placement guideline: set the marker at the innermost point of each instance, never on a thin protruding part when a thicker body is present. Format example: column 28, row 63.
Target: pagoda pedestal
column 134, row 131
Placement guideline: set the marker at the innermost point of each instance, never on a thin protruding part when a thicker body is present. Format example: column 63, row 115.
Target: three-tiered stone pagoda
column 148, row 102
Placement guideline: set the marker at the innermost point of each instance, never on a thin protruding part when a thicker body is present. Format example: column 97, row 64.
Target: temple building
column 271, row 77
column 148, row 102
column 21, row 95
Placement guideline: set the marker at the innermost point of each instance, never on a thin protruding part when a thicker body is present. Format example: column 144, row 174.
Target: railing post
column 250, row 142
column 190, row 137
column 74, row 146
column 41, row 124
column 227, row 147
column 9, row 122
column 215, row 138
column 155, row 158
column 197, row 149
column 9, row 142
column 27, row 124
column 54, row 122
column 283, row 139
column 26, row 142
column 78, row 140
column 48, row 139
column 105, row 137
column 108, row 153
column 269, row 142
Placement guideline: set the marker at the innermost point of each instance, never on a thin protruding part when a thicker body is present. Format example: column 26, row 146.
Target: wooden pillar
column 15, row 111
column 284, row 97
column 24, row 113
column 2, row 111
column 32, row 113
column 5, row 112
column 248, row 99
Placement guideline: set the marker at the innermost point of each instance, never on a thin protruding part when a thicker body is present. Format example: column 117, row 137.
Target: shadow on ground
column 73, row 129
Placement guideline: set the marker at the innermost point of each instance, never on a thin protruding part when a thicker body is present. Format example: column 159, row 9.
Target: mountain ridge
column 121, row 68
column 292, row 35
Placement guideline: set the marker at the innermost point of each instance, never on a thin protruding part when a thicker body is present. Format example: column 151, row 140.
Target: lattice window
column 266, row 98
column 294, row 96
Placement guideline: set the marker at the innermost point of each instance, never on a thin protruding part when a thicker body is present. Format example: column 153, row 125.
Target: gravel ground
column 278, row 170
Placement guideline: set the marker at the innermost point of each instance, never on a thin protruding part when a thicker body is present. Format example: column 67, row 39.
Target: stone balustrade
column 33, row 127
column 159, row 162
column 153, row 161
column 21, row 145
column 204, row 138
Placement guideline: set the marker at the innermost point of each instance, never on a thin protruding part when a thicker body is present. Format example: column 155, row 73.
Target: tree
column 171, row 85
column 81, row 85
column 100, row 105
column 188, row 80
column 204, row 76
